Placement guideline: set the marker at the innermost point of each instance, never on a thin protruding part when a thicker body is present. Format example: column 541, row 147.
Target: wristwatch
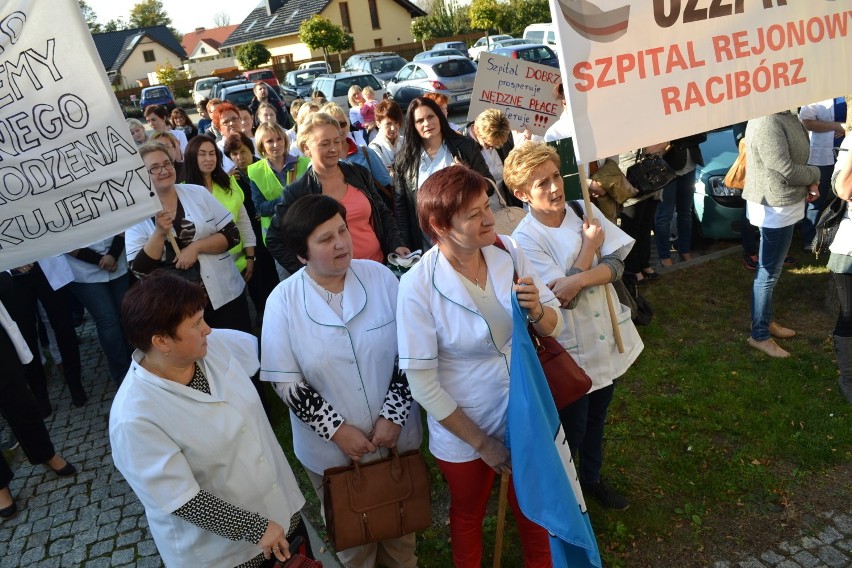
column 251, row 257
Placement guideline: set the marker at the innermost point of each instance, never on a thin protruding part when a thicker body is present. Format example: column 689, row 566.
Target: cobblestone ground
column 828, row 547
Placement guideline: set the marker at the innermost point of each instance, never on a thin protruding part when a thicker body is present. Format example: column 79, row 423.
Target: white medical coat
column 439, row 327
column 170, row 441
column 587, row 334
column 349, row 362
column 222, row 280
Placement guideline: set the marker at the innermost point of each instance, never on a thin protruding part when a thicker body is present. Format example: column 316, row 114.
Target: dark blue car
column 540, row 54
column 159, row 95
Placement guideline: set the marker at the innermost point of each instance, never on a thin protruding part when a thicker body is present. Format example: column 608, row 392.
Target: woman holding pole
column 561, row 239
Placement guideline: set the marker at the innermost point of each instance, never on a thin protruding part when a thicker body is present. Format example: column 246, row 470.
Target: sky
column 186, row 15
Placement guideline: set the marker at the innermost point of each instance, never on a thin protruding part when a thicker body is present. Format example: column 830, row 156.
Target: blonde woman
column 276, row 169
column 374, row 232
column 561, row 246
column 356, row 101
column 168, row 140
column 137, row 131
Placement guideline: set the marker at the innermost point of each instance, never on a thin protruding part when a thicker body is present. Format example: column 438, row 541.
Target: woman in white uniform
column 561, row 245
column 189, row 434
column 329, row 347
column 455, row 340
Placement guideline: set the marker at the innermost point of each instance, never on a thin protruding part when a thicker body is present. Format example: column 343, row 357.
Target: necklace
column 475, row 277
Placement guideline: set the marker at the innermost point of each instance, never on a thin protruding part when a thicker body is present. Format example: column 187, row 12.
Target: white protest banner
column 646, row 71
column 522, row 90
column 69, row 171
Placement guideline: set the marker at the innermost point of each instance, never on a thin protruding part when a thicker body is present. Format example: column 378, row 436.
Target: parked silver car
column 450, row 76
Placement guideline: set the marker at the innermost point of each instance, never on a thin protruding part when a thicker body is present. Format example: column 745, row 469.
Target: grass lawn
column 719, row 447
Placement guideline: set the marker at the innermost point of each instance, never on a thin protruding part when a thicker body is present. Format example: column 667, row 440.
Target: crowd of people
column 299, row 215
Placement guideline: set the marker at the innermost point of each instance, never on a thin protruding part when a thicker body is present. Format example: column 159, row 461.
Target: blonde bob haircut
column 269, row 128
column 351, row 95
column 307, row 108
column 334, row 110
column 311, row 124
column 521, row 162
column 492, row 127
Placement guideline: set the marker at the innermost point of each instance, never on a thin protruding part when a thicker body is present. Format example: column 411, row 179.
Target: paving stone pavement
column 92, row 520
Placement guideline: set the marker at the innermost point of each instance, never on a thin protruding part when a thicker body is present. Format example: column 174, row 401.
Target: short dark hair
column 388, row 109
column 157, row 305
column 234, row 141
column 304, row 216
column 203, row 103
column 159, row 110
column 444, row 194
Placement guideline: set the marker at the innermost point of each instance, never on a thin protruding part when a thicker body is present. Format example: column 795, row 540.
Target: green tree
column 322, row 33
column 148, row 13
column 167, row 75
column 447, row 19
column 252, row 55
column 518, row 14
column 484, row 15
column 421, row 29
column 115, row 25
column 90, row 17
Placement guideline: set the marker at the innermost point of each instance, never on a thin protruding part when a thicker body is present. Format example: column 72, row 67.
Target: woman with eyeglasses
column 203, row 230
column 226, row 121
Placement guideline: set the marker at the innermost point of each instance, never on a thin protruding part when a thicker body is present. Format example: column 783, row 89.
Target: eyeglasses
column 159, row 168
column 229, row 121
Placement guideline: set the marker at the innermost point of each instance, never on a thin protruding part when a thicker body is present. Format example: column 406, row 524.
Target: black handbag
column 650, row 173
column 827, row 225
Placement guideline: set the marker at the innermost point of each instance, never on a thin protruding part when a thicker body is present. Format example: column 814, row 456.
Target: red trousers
column 470, row 487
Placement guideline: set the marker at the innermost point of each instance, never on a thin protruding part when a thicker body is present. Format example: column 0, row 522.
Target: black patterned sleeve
column 311, row 408
column 398, row 400
column 213, row 514
column 232, row 233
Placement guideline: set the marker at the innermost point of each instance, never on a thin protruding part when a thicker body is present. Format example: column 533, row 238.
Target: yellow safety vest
column 270, row 186
column 232, row 201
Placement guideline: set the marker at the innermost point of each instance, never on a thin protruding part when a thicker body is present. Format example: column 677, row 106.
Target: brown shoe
column 769, row 347
column 776, row 330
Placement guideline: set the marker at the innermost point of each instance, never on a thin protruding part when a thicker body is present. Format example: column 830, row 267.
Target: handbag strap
column 498, row 242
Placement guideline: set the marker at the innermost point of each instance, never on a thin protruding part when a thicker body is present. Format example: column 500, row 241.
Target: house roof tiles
column 115, row 47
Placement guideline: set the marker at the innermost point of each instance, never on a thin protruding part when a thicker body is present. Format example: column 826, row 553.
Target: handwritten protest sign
column 69, row 171
column 645, row 71
column 522, row 90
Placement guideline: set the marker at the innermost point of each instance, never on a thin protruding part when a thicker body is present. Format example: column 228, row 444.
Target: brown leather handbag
column 735, row 178
column 377, row 501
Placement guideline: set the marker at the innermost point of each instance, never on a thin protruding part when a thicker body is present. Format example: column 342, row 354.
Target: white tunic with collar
column 587, row 334
column 222, row 280
column 170, row 441
column 348, row 361
column 439, row 327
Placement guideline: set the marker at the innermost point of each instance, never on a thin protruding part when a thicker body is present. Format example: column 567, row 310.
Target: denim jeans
column 103, row 301
column 774, row 245
column 677, row 196
column 583, row 422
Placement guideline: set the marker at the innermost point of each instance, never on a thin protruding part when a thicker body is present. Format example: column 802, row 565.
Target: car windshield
column 207, row 84
column 302, row 79
column 240, row 97
column 261, row 75
column 341, row 87
column 387, row 65
column 157, row 93
column 454, row 68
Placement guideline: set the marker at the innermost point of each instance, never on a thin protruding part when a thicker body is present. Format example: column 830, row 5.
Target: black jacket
column 405, row 186
column 354, row 175
column 502, row 152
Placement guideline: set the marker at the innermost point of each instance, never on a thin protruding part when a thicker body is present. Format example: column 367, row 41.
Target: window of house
column 148, row 55
column 344, row 16
column 374, row 16
column 377, row 42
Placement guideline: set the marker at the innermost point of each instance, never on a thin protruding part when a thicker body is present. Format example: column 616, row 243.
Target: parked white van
column 541, row 33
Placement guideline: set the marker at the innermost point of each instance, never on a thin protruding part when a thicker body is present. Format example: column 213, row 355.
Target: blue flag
column 544, row 476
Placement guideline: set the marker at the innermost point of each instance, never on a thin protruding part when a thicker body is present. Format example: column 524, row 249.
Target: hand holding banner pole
column 590, row 215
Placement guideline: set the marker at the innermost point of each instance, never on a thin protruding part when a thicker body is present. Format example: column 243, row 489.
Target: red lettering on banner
column 498, row 98
column 544, row 106
column 546, row 76
column 736, row 85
